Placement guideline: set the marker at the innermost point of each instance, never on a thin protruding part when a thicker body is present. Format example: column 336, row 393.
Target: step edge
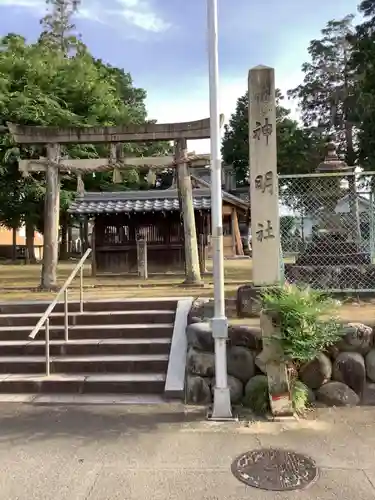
column 87, row 313
column 89, row 342
column 84, row 399
column 83, row 377
column 126, row 358
column 111, row 326
column 96, row 301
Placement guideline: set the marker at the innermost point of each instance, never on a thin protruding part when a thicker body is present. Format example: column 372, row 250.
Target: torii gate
column 54, row 137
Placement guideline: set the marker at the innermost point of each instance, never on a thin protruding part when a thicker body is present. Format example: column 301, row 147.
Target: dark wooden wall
column 116, row 241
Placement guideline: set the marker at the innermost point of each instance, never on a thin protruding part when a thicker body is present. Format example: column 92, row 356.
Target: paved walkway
column 161, row 453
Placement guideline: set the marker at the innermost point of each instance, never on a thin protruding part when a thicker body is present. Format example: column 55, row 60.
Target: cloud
column 39, row 4
column 136, row 13
column 140, row 13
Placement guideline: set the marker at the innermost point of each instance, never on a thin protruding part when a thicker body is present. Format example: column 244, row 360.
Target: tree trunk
column 353, row 198
column 351, row 159
column 354, row 210
column 14, row 244
column 192, row 270
column 30, row 250
column 64, row 253
column 51, row 221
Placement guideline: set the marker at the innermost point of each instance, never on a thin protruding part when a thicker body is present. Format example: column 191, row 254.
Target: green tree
column 58, row 26
column 328, row 95
column 297, row 148
column 363, row 65
column 40, row 85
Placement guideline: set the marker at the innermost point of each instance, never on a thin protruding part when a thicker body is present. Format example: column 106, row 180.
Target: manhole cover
column 275, row 470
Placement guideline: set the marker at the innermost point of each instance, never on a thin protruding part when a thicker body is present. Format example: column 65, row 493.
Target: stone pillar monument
column 264, row 202
column 264, row 197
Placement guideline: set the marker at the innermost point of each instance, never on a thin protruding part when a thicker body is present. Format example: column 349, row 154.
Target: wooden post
column 232, row 232
column 193, row 276
column 51, row 221
column 264, row 200
column 85, row 233
column 236, row 233
column 202, row 254
column 142, row 258
column 93, row 250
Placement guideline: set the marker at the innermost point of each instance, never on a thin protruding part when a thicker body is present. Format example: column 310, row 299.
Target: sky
column 163, row 44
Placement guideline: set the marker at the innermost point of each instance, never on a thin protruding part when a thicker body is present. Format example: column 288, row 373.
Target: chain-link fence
column 327, row 228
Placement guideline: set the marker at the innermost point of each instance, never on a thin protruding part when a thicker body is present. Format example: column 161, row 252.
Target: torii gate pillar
column 51, row 220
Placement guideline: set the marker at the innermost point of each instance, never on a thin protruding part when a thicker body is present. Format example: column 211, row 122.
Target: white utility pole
column 222, row 405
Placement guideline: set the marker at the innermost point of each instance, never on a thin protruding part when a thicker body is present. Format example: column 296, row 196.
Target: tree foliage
column 298, row 149
column 48, row 83
column 58, row 26
column 363, row 65
column 327, row 95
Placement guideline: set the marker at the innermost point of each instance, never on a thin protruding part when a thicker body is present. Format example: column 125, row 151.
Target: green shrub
column 257, row 395
column 300, row 396
column 307, row 320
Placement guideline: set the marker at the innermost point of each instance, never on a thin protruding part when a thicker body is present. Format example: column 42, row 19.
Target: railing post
column 66, row 316
column 47, row 348
column 81, row 289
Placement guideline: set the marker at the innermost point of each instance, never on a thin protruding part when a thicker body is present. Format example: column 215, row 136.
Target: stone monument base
column 332, row 277
column 333, row 250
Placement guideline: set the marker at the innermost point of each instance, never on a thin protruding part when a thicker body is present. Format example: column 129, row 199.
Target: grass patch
column 20, row 282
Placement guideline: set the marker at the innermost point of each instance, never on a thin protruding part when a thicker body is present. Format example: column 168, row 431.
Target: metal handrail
column 63, row 290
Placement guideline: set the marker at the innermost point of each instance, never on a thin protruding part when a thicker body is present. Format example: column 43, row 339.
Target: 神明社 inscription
column 260, row 130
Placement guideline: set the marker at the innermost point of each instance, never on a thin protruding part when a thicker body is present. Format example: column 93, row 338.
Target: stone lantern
column 332, row 163
column 328, row 191
column 333, row 259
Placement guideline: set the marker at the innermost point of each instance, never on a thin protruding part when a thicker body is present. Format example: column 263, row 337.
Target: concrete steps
column 77, row 347
column 83, row 383
column 91, row 306
column 115, row 348
column 101, row 331
column 90, row 318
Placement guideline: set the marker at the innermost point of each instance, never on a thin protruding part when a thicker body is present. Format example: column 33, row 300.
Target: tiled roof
column 136, row 201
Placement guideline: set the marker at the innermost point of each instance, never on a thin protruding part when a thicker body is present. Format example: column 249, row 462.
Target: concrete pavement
column 163, row 452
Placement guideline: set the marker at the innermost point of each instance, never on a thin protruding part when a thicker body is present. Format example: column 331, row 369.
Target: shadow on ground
column 20, row 422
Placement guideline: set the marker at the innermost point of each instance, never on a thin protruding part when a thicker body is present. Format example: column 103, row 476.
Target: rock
column 199, row 336
column 241, row 363
column 200, row 363
column 256, row 394
column 317, row 372
column 368, row 398
column 194, row 319
column 370, row 365
column 349, row 368
column 235, row 388
column 337, row 394
column 311, row 396
column 245, row 336
column 197, row 390
column 357, row 337
column 202, row 308
column 332, row 351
